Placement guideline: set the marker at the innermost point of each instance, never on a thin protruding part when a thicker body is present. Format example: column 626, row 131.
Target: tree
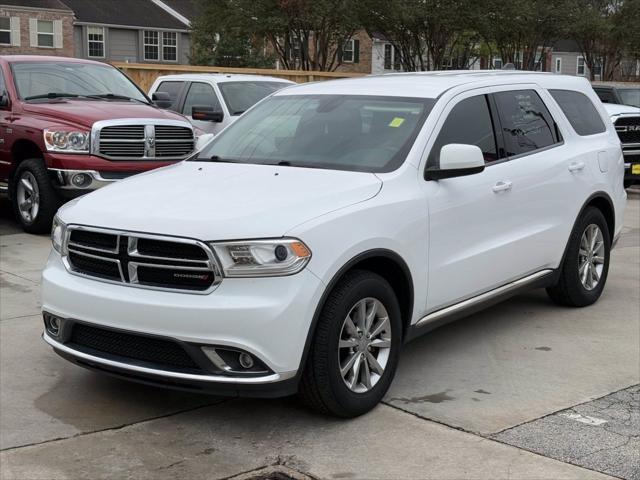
column 520, row 30
column 601, row 29
column 220, row 39
column 301, row 34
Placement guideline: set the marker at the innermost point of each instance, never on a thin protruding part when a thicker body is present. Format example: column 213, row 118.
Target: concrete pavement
column 459, row 395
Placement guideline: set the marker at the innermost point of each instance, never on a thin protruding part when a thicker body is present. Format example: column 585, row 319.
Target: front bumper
column 266, row 317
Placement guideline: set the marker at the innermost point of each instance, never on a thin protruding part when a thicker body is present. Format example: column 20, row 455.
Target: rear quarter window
column 580, row 111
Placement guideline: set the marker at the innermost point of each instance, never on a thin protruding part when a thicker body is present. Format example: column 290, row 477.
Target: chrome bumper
column 267, row 379
column 65, row 179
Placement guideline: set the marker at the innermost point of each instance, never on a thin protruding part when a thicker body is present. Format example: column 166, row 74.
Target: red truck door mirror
column 161, row 99
column 4, row 99
column 206, row 113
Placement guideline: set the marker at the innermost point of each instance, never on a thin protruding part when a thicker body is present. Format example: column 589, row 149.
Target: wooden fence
column 144, row 74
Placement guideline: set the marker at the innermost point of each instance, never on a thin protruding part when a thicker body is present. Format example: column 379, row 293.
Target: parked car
column 627, row 123
column 69, row 126
column 618, row 94
column 332, row 223
column 213, row 101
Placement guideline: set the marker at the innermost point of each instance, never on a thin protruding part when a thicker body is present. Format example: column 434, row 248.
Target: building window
column 581, row 68
column 151, row 45
column 558, row 65
column 497, row 63
column 388, row 56
column 5, row 30
column 392, row 58
column 170, row 46
column 347, row 52
column 95, row 38
column 45, row 33
column 597, row 67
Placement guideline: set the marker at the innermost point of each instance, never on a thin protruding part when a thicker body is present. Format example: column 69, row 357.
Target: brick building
column 40, row 27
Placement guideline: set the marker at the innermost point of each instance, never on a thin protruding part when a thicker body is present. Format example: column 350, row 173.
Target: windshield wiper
column 215, row 158
column 113, row 96
column 52, row 95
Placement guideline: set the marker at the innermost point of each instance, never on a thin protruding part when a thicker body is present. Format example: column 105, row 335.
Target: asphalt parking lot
column 524, row 390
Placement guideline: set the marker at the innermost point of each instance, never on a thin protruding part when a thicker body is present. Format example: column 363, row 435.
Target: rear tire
column 339, row 346
column 586, row 264
column 35, row 201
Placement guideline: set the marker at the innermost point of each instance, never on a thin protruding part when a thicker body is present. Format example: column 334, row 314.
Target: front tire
column 35, row 201
column 586, row 265
column 354, row 354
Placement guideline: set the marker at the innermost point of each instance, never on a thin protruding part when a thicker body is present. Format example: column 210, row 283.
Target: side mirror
column 206, row 113
column 4, row 99
column 457, row 160
column 161, row 99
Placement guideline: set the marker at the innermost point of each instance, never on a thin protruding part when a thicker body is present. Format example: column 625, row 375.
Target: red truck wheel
column 35, row 202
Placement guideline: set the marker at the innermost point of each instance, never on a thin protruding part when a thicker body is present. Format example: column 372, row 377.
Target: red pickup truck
column 68, row 126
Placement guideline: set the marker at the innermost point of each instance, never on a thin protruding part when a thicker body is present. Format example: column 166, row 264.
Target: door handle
column 576, row 166
column 502, row 186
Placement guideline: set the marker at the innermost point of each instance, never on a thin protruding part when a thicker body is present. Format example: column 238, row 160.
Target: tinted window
column 241, row 96
column 469, row 122
column 580, row 112
column 606, row 95
column 173, row 89
column 526, row 123
column 341, row 132
column 201, row 95
column 630, row 96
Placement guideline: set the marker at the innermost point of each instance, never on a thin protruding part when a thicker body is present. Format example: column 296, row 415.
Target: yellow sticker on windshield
column 396, row 122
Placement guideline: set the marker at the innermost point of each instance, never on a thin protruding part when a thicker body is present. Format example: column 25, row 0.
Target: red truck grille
column 145, row 142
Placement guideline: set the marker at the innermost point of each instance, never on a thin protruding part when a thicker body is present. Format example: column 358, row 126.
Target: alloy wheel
column 591, row 257
column 28, row 197
column 365, row 345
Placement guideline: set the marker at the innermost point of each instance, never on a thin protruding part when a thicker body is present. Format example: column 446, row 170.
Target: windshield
column 240, row 96
column 342, row 132
column 630, row 96
column 52, row 80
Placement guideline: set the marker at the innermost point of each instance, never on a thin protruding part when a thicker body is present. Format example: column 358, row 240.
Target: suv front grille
column 628, row 129
column 162, row 353
column 149, row 141
column 141, row 260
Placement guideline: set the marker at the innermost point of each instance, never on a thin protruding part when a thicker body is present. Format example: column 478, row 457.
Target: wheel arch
column 386, row 263
column 24, row 149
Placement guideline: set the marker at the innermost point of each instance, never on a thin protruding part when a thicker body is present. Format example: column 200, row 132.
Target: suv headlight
column 58, row 231
column 262, row 258
column 67, row 141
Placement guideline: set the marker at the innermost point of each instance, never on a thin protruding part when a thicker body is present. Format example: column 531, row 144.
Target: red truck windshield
column 53, row 80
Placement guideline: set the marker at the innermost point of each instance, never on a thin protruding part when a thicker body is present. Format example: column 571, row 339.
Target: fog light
column 52, row 325
column 81, row 180
column 245, row 360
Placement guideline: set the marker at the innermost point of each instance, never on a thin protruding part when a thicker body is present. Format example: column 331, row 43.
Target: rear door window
column 580, row 111
column 525, row 122
column 469, row 122
column 201, row 95
column 173, row 89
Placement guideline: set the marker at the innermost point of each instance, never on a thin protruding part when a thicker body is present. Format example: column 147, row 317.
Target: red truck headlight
column 66, row 141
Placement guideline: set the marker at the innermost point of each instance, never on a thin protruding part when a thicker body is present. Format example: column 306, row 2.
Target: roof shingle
column 131, row 13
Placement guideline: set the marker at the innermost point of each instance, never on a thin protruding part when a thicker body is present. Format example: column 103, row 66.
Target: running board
column 473, row 304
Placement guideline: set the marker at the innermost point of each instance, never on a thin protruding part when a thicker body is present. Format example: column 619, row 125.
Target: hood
column 615, row 109
column 221, row 201
column 87, row 112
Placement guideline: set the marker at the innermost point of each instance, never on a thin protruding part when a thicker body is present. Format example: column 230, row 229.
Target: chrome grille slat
column 143, row 139
column 142, row 269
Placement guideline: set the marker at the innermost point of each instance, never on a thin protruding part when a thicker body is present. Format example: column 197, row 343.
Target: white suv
column 212, row 101
column 332, row 223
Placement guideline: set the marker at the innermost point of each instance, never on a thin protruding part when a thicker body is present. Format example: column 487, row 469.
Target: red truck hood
column 87, row 112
